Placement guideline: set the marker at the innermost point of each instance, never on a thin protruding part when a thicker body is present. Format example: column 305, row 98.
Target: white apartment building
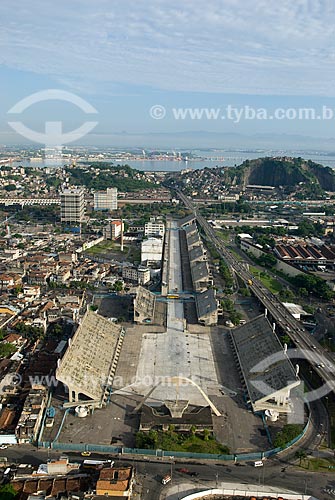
column 106, row 200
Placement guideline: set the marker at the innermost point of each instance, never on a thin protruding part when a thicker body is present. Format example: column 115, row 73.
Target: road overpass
column 307, row 347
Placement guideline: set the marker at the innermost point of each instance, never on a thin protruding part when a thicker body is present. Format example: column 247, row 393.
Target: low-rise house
column 115, row 482
column 31, row 416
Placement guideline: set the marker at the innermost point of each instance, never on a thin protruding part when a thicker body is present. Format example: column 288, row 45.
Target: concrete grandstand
column 89, row 363
column 267, row 371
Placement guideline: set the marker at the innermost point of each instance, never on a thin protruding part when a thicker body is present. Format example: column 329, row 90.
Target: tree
column 153, row 436
column 10, row 187
column 235, row 317
column 207, row 434
column 7, row 492
column 286, row 294
column 117, row 286
column 193, row 430
column 285, row 339
column 267, row 260
column 313, row 284
column 301, row 455
column 6, row 350
column 245, row 292
column 287, row 434
column 226, row 274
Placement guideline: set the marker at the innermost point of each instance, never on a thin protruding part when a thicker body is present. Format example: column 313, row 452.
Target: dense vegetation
column 7, row 492
column 180, row 441
column 122, row 177
column 309, row 283
column 228, row 307
column 29, row 332
column 226, row 275
column 305, row 175
column 285, row 436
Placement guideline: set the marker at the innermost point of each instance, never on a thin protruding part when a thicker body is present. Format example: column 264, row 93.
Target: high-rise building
column 105, row 200
column 72, row 205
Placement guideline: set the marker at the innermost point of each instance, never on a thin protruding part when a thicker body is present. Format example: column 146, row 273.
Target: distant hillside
column 284, row 172
column 296, row 177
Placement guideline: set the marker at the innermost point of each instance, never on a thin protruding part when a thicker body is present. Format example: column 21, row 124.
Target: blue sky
column 125, row 56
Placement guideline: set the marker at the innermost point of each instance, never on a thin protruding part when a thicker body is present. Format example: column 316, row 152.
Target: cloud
column 229, row 46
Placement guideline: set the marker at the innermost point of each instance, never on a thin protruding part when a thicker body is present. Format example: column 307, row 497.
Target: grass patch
column 236, row 254
column 134, row 254
column 318, row 464
column 105, row 246
column 176, row 441
column 268, row 281
column 224, row 235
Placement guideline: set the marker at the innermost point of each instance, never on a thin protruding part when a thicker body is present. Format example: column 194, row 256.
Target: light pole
column 305, row 487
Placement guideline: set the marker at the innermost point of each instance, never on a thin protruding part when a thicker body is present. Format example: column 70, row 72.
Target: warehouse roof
column 196, row 253
column 200, row 271
column 206, row 303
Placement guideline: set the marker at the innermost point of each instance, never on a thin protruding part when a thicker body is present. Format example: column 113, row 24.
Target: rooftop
column 206, row 302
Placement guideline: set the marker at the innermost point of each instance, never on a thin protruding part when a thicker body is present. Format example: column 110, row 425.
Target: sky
column 126, row 57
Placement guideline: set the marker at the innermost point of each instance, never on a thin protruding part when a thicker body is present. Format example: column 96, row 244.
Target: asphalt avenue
column 281, row 473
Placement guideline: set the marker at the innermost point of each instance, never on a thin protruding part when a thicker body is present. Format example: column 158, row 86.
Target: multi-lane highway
column 307, row 347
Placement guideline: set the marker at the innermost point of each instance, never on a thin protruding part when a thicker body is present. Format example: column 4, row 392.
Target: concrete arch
column 176, row 381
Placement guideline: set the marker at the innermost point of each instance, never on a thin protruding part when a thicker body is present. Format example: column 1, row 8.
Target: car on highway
column 85, row 453
column 183, row 470
column 320, row 365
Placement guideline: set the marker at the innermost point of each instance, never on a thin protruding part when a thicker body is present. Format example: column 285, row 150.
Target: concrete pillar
column 73, row 395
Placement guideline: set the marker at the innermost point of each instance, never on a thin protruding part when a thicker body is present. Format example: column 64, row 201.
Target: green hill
column 283, row 172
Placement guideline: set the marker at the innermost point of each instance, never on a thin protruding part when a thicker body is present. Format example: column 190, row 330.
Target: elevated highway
column 29, row 201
